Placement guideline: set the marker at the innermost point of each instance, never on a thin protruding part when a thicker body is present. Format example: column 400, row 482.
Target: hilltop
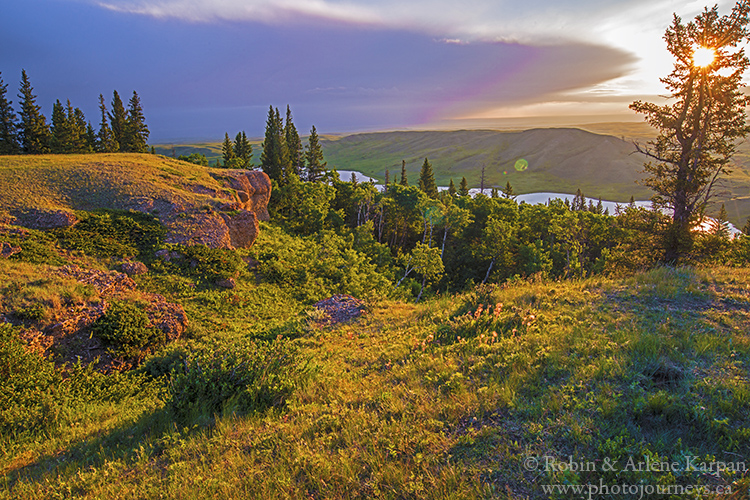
column 197, row 203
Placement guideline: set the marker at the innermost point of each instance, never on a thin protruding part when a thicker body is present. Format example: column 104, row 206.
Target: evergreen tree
column 106, row 142
column 91, row 141
column 274, row 158
column 404, row 181
column 293, row 144
column 77, row 123
column 427, row 180
column 746, row 227
column 463, row 188
column 387, row 180
column 699, row 132
column 227, row 152
column 33, row 130
column 136, row 130
column 494, row 193
column 60, row 133
column 579, row 202
column 508, row 192
column 720, row 225
column 8, row 127
column 118, row 122
column 243, row 150
column 452, row 189
column 316, row 164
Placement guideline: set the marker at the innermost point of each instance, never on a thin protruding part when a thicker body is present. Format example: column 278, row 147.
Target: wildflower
column 514, row 331
column 532, row 317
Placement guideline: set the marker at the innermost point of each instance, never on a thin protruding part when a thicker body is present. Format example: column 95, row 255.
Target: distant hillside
column 561, row 160
column 599, row 159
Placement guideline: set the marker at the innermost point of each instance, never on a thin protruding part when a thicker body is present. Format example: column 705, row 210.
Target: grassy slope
column 397, row 406
column 88, row 182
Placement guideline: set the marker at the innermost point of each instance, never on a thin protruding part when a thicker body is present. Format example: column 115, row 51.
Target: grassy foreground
column 501, row 392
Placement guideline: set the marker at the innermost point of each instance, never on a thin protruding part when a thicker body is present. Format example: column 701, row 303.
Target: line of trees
column 120, row 130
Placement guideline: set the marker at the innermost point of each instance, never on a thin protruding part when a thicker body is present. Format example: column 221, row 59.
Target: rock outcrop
column 234, row 223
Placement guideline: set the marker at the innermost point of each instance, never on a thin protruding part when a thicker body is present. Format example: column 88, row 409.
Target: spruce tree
column 60, row 134
column 427, row 180
column 508, row 192
column 243, row 150
column 227, row 152
column 293, row 144
column 463, row 188
column 106, row 142
column 404, row 181
column 452, row 189
column 136, row 131
column 274, row 158
column 316, row 164
column 91, row 141
column 118, row 121
column 77, row 123
column 8, row 127
column 33, row 130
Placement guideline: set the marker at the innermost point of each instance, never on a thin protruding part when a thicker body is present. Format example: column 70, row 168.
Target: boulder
column 47, row 219
column 7, row 250
column 253, row 190
column 134, row 268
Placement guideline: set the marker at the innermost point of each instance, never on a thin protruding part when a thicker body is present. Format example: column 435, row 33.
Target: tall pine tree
column 293, row 144
column 274, row 158
column 8, row 127
column 427, row 180
column 316, row 164
column 243, row 150
column 60, row 138
column 136, row 131
column 227, row 152
column 33, row 130
column 105, row 140
column 118, row 121
column 463, row 188
column 404, row 181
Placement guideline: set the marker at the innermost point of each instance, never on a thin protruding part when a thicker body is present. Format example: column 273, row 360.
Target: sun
column 703, row 56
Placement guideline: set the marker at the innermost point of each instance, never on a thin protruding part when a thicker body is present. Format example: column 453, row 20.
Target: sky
column 206, row 67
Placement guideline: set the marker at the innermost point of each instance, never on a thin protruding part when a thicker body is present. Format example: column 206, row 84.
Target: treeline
column 450, row 240
column 120, row 130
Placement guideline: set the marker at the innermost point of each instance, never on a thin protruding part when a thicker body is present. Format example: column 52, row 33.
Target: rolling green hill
column 599, row 159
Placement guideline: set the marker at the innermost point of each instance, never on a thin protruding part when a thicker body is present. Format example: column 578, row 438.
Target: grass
column 426, row 402
column 90, row 182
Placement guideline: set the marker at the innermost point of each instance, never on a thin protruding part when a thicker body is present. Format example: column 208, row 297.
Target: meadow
column 490, row 393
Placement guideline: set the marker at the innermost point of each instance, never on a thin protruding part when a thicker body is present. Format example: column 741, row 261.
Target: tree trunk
column 424, row 279
column 492, row 263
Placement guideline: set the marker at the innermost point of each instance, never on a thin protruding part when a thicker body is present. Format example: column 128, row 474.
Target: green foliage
column 127, row 328
column 204, row 263
column 237, row 377
column 113, row 233
column 197, row 158
column 314, row 267
column 8, row 127
column 33, row 131
column 37, row 397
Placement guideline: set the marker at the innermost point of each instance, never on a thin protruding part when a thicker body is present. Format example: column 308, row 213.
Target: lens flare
column 521, row 165
column 703, row 56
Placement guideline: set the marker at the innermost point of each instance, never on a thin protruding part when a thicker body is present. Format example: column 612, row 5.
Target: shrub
column 113, row 234
column 238, row 377
column 127, row 328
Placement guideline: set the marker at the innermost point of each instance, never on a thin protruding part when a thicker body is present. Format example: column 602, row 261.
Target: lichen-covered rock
column 35, row 218
column 7, row 250
column 134, row 268
column 253, row 190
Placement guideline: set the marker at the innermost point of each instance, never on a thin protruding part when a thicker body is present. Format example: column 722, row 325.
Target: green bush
column 238, row 377
column 113, row 234
column 126, row 327
column 201, row 262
